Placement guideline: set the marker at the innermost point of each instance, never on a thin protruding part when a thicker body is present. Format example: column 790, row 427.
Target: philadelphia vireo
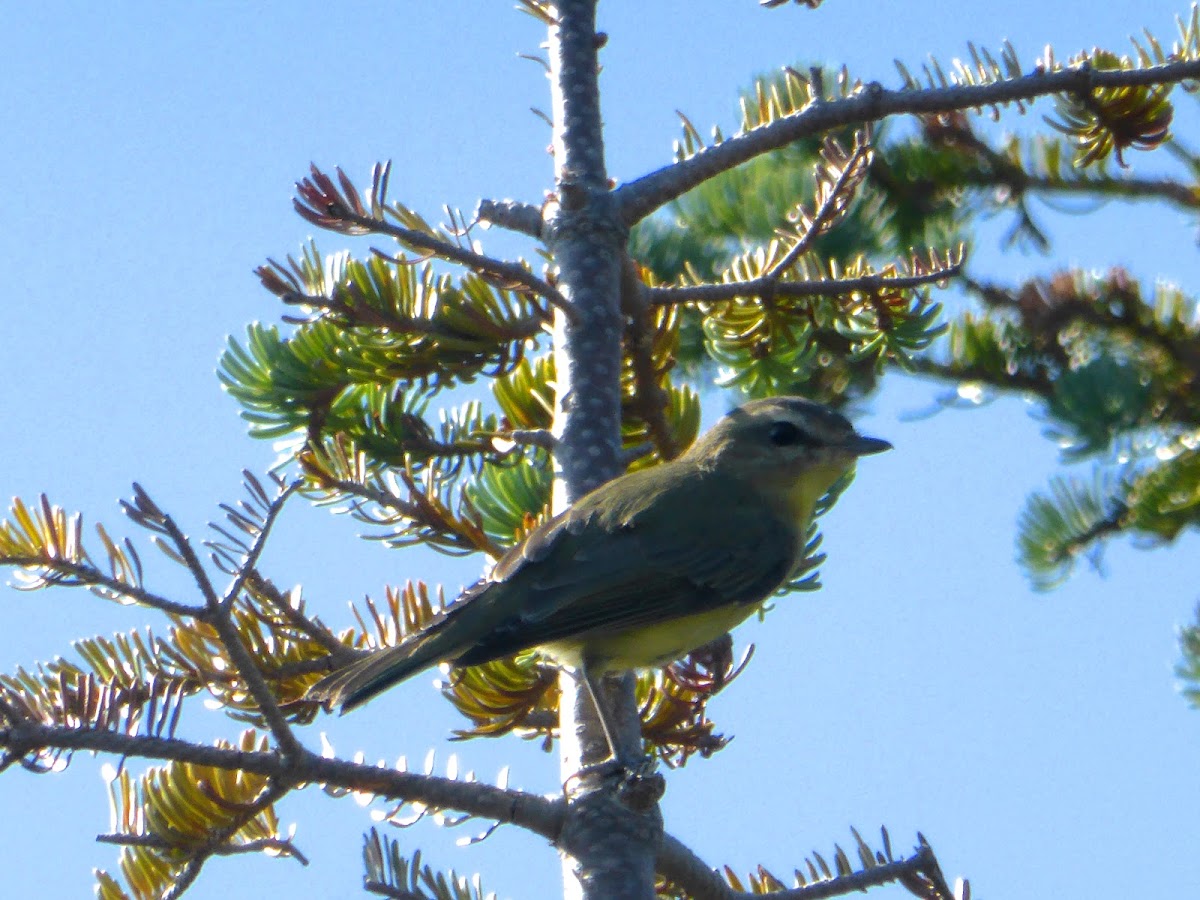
column 646, row 568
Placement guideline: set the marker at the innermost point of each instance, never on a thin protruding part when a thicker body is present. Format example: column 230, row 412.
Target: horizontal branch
column 825, row 287
column 642, row 197
column 541, row 815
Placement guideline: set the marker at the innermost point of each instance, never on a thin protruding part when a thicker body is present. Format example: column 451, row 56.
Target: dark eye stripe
column 787, row 434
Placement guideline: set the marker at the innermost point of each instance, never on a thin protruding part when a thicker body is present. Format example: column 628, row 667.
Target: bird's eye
column 788, row 434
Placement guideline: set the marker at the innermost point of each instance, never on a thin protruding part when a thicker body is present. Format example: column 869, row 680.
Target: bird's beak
column 861, row 445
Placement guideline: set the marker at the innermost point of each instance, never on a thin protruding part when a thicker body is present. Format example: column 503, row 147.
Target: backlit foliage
column 176, row 814
column 391, row 874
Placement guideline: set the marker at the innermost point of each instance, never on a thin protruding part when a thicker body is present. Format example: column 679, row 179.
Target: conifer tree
column 774, row 260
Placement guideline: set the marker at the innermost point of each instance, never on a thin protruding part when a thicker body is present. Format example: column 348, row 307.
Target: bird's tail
column 360, row 681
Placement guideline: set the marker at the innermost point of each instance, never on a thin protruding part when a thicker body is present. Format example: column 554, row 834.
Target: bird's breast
column 649, row 645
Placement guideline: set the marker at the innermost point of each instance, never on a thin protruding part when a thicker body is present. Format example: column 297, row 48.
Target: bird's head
column 788, row 448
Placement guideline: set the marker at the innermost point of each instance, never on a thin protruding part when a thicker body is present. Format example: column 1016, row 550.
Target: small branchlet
column 408, row 505
column 388, row 873
column 337, row 206
column 839, row 174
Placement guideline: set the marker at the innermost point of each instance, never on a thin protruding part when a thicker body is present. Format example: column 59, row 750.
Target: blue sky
column 1037, row 740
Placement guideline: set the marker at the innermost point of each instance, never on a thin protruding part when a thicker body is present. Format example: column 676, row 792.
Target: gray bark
column 608, row 848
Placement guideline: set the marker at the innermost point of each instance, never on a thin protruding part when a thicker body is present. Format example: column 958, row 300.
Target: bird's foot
column 636, row 782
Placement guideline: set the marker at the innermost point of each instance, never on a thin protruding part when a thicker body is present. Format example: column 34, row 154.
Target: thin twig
column 485, row 265
column 337, row 658
column 448, row 523
column 260, row 540
column 511, row 274
column 998, row 170
column 419, row 510
column 312, row 627
column 338, row 207
column 256, row 684
column 183, row 547
column 154, row 842
column 91, row 577
column 1034, row 383
column 1176, row 192
column 829, row 209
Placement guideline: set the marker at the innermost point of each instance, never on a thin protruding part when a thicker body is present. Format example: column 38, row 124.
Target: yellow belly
column 650, row 645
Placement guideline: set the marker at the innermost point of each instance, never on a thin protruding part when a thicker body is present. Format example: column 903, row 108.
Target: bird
column 646, row 567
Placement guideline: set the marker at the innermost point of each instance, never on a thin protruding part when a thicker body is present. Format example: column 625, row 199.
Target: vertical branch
column 609, row 852
column 587, row 238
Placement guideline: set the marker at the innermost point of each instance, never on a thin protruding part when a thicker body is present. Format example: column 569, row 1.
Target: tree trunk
column 608, row 848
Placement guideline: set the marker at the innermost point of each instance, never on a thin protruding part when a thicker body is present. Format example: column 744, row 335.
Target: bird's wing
column 593, row 572
column 599, row 568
